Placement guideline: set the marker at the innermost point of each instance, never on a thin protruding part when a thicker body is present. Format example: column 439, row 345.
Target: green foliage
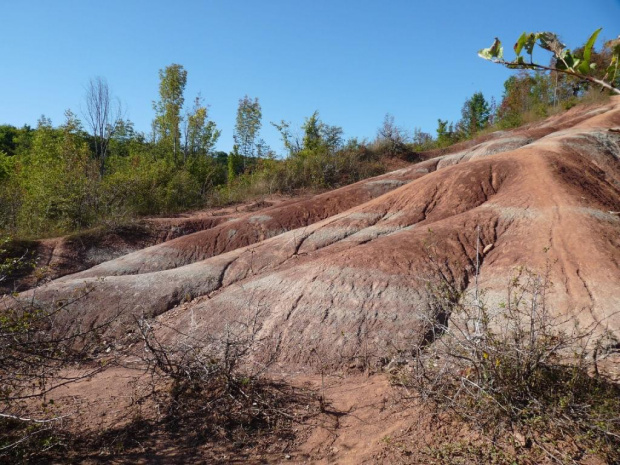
column 201, row 134
column 612, row 73
column 7, row 165
column 494, row 52
column 445, row 133
column 234, row 164
column 525, row 94
column 284, row 128
column 319, row 161
column 475, row 115
column 168, row 109
column 247, row 126
column 564, row 60
column 53, row 180
column 15, row 259
column 319, row 136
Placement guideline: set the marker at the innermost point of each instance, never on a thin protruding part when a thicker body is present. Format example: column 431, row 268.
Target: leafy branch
column 565, row 61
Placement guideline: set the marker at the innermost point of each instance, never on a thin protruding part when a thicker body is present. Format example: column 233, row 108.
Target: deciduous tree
column 166, row 126
column 201, row 134
column 247, row 126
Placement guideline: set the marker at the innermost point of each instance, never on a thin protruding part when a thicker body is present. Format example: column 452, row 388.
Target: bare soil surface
column 344, row 275
column 365, row 420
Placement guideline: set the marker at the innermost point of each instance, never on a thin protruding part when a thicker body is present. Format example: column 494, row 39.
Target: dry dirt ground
column 346, row 273
column 365, row 420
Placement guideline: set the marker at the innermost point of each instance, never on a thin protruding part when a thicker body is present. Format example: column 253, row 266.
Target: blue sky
column 354, row 61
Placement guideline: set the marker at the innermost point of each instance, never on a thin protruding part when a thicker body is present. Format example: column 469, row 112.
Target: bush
column 36, row 349
column 215, row 385
column 517, row 369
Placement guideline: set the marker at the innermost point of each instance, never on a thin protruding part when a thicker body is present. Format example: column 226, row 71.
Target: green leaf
column 587, row 52
column 612, row 70
column 485, row 53
column 566, row 61
column 494, row 53
column 520, row 43
column 530, row 42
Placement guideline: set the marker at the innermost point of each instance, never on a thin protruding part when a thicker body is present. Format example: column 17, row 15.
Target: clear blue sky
column 353, row 60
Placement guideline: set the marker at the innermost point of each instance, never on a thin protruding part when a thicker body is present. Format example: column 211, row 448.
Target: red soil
column 346, row 271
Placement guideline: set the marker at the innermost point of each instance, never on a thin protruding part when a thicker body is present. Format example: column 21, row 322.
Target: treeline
column 55, row 180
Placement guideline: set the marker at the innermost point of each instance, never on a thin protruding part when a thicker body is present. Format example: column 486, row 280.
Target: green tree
column 234, row 164
column 319, row 136
column 123, row 136
column 8, row 134
column 247, row 126
column 475, row 115
column 201, row 134
column 312, row 132
column 15, row 141
column 445, row 133
column 528, row 93
column 57, row 179
column 166, row 126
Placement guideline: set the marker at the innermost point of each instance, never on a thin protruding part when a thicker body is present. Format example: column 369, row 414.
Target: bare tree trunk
column 102, row 114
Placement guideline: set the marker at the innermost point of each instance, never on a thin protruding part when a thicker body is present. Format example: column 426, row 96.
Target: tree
column 168, row 117
column 422, row 140
column 312, row 132
column 247, row 126
column 200, row 133
column 527, row 93
column 475, row 115
column 564, row 61
column 445, row 133
column 392, row 137
column 102, row 115
column 8, row 135
column 319, row 136
column 291, row 144
column 234, row 164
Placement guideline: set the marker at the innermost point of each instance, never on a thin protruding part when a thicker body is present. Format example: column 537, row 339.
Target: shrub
column 36, row 349
column 215, row 385
column 517, row 368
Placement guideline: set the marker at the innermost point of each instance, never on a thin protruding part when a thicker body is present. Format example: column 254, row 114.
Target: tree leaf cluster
column 564, row 60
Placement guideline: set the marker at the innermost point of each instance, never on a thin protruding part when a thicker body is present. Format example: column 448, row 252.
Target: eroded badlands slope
column 349, row 269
